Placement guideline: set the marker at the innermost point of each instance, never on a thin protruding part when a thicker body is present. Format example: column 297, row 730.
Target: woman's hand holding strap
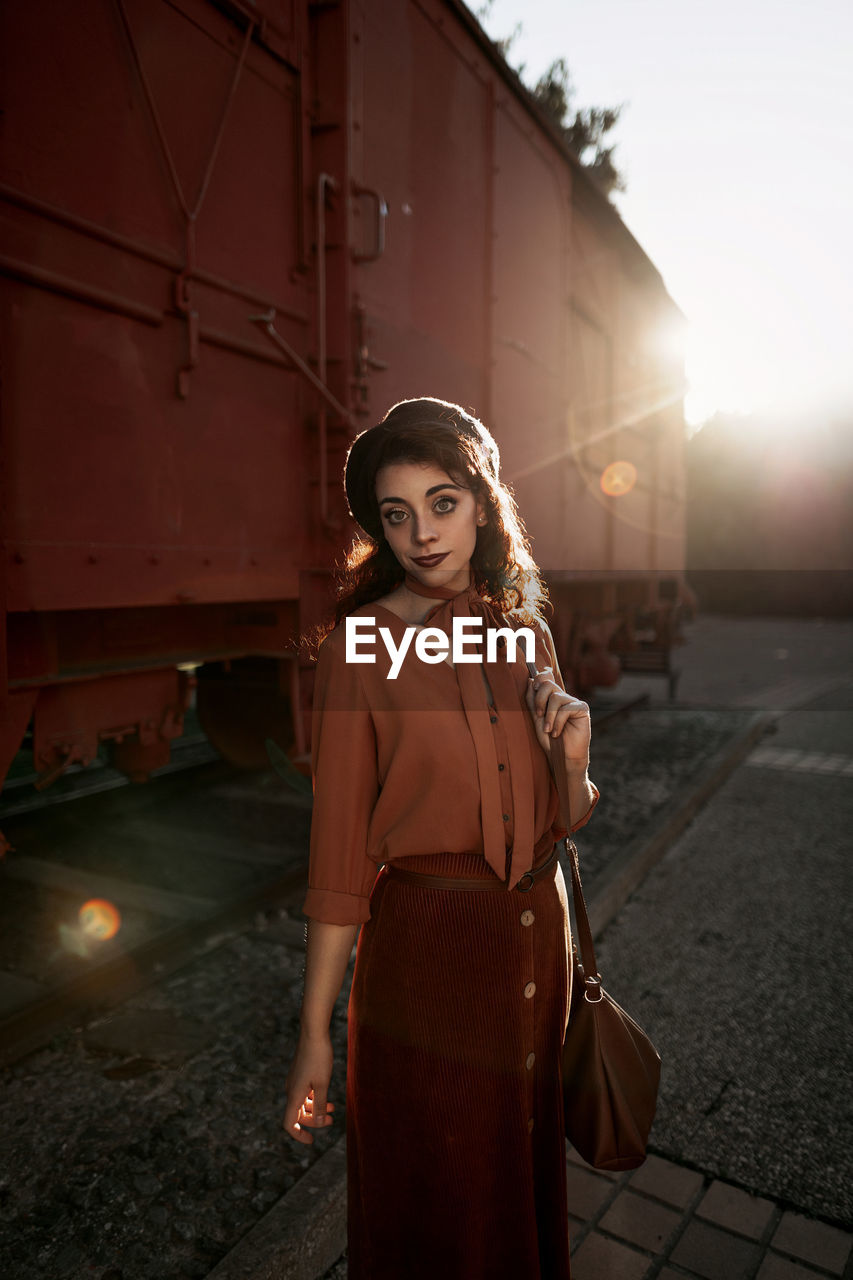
column 556, row 714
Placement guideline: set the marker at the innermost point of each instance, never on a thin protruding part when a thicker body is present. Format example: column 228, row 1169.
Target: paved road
column 735, row 953
column 755, row 662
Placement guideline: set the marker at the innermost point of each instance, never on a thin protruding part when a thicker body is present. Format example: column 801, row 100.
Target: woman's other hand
column 307, row 1086
column 557, row 714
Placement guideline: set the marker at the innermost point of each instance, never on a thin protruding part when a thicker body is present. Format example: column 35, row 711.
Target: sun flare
column 99, row 919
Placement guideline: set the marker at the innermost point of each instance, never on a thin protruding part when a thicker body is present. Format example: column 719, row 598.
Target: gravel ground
column 144, row 1145
column 130, row 1152
column 641, row 766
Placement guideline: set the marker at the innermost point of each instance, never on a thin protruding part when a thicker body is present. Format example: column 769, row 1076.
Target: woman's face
column 427, row 514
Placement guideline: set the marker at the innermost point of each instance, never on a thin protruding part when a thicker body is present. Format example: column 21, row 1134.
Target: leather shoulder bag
column 610, row 1068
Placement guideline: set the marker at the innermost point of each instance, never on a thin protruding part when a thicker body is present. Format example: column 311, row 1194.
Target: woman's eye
column 396, row 515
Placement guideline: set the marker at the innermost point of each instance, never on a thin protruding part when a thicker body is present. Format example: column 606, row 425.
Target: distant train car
column 234, row 233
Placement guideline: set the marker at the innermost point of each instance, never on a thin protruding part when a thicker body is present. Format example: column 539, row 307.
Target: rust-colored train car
column 234, row 234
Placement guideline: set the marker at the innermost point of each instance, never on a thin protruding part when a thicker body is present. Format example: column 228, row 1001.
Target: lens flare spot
column 618, row 478
column 99, row 919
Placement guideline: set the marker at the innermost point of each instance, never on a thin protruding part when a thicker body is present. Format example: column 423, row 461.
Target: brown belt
column 448, row 882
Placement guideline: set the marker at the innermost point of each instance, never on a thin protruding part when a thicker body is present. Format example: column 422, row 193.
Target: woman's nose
column 422, row 530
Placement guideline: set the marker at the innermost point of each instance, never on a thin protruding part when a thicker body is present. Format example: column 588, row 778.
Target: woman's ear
column 481, row 514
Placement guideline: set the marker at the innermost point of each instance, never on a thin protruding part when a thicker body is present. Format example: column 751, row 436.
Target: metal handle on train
column 381, row 214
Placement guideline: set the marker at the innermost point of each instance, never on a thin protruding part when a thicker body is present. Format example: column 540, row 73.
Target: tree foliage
column 585, row 134
column 585, row 130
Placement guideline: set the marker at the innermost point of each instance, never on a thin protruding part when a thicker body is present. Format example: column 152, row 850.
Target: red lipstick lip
column 429, row 561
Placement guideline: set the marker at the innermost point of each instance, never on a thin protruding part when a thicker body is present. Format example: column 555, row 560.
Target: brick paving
column 666, row 1222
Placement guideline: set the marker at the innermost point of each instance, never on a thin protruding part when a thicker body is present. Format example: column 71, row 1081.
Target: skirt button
column 527, row 917
column 531, row 1058
column 529, row 990
column 530, row 1125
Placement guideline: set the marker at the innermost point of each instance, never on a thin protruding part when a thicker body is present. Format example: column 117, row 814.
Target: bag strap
column 557, row 761
column 592, row 978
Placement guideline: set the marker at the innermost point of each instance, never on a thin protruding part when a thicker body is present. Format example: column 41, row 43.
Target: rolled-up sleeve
column 581, row 822
column 559, row 831
column 346, row 785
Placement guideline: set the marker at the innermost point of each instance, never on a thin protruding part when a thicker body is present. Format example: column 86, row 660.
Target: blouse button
column 500, row 768
column 527, row 917
column 506, row 817
column 493, row 719
column 531, row 1058
column 529, row 990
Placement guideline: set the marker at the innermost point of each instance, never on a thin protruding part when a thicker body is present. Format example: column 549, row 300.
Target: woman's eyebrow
column 435, row 488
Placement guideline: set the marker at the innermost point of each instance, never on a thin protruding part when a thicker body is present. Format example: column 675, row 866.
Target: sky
column 736, row 145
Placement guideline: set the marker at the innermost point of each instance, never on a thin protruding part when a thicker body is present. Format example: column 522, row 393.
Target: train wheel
column 240, row 704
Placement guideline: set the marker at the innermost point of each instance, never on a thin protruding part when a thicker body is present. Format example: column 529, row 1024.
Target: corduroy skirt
column 456, row 1162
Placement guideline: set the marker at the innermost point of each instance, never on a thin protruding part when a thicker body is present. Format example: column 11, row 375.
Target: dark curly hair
column 439, row 432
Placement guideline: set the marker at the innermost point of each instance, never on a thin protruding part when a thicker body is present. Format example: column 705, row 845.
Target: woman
column 436, row 771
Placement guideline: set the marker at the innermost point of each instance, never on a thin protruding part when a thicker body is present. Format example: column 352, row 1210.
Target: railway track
column 182, row 861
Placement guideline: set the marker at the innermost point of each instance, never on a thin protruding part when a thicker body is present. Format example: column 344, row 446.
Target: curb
column 305, row 1232
column 302, row 1235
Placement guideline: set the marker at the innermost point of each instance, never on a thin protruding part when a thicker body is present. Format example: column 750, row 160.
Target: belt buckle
column 525, row 888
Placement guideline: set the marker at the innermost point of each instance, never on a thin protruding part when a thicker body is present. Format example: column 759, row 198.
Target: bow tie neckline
column 508, row 864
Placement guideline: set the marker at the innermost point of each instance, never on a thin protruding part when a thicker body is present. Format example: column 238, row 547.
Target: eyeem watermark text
column 432, row 645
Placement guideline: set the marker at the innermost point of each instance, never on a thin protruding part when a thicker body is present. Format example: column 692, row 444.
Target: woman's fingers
column 311, row 1106
column 575, row 710
column 559, row 709
column 316, row 1111
column 307, row 1113
column 540, row 692
column 557, row 714
column 316, row 1108
column 292, row 1123
column 555, row 708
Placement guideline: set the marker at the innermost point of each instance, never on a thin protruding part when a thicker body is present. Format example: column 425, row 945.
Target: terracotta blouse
column 440, row 759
